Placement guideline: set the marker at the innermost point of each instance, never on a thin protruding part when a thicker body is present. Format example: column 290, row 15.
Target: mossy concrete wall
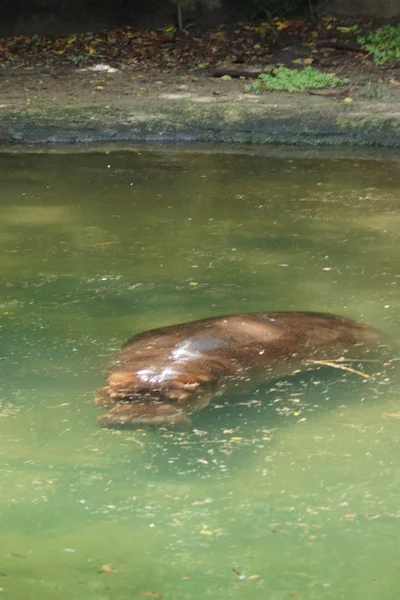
column 230, row 122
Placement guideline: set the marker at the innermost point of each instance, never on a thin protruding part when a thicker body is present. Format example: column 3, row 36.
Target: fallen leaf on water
column 350, row 516
column 255, row 576
column 202, row 461
column 206, row 532
column 107, row 569
column 205, row 501
column 393, row 415
column 185, row 577
column 150, row 594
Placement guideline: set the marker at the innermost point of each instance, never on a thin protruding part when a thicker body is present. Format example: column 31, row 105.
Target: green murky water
column 299, row 495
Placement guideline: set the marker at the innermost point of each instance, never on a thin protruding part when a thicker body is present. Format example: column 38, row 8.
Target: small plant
column 370, row 91
column 293, row 80
column 354, row 28
column 78, row 59
column 383, row 45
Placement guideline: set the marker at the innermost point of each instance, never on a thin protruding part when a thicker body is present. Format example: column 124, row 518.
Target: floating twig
column 337, row 365
column 363, row 360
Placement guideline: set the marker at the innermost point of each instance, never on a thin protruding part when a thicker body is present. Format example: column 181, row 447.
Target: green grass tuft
column 383, row 45
column 293, row 80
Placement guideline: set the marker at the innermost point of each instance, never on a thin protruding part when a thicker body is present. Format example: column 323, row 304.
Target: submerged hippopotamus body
column 160, row 376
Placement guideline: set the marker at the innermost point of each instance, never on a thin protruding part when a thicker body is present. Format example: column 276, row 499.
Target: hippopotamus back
column 182, row 366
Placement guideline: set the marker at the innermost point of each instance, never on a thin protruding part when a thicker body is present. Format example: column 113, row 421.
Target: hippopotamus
column 161, row 376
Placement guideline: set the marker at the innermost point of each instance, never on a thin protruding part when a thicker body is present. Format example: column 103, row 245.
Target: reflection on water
column 291, row 492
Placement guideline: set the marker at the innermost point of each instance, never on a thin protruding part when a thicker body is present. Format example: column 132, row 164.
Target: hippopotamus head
column 153, row 384
column 151, row 397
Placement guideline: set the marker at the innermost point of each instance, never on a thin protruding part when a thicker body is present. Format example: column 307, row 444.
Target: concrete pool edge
column 230, row 122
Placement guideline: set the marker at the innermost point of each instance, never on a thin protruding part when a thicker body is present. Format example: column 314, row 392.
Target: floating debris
column 107, row 569
column 239, row 574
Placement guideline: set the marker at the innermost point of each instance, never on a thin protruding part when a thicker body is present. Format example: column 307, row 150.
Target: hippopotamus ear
column 192, row 382
column 186, row 386
column 123, row 380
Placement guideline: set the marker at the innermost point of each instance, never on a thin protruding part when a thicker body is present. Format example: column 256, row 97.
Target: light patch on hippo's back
column 184, row 351
column 201, row 342
column 247, row 330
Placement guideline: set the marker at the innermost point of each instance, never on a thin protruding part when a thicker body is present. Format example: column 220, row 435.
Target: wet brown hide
column 160, row 376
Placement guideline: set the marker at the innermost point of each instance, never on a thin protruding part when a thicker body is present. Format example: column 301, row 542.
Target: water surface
column 289, row 492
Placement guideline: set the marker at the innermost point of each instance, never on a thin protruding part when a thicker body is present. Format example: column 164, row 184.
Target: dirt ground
column 208, row 67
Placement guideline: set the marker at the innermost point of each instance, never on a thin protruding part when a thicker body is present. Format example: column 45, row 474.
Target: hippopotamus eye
column 178, row 395
column 205, row 377
column 122, row 378
column 187, row 385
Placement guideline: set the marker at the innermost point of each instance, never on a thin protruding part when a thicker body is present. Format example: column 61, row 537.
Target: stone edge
column 218, row 123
